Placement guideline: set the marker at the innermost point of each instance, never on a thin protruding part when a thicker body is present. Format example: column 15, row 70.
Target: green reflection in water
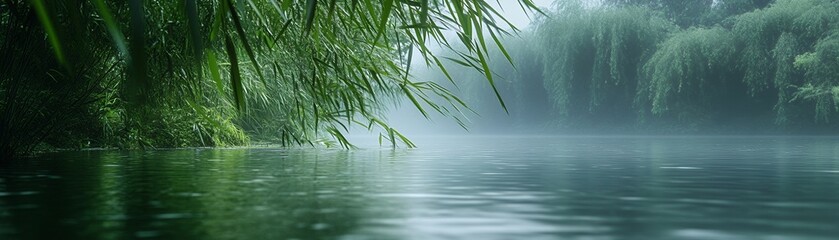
column 499, row 187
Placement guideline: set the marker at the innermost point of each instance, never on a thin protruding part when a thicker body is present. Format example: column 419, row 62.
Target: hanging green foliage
column 592, row 57
column 290, row 72
column 759, row 32
column 685, row 74
column 776, row 38
column 748, row 65
column 786, row 77
column 519, row 83
column 821, row 74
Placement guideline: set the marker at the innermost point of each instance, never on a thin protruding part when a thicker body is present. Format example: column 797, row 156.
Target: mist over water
column 499, row 187
column 407, row 119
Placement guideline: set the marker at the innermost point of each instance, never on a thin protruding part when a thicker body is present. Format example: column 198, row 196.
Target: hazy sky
column 513, row 13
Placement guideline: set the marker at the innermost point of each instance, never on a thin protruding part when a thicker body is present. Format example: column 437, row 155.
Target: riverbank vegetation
column 145, row 74
column 648, row 66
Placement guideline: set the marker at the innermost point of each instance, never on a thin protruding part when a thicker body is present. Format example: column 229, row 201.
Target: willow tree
column 592, row 57
column 752, row 67
column 290, row 71
column 821, row 74
column 783, row 47
column 690, row 75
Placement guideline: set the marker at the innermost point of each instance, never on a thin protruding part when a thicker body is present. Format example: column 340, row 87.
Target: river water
column 480, row 187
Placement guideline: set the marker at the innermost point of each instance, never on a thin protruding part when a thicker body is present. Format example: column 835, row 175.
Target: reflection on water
column 454, row 187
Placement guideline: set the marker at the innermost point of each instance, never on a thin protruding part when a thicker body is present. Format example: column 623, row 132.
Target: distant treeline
column 654, row 66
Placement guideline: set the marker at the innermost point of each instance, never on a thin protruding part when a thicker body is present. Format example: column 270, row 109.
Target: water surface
column 486, row 187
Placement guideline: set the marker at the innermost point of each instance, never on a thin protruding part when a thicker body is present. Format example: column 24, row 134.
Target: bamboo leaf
column 221, row 14
column 311, row 10
column 391, row 137
column 281, row 33
column 52, row 35
column 244, row 38
column 113, row 28
column 340, row 138
column 463, row 17
column 419, row 25
column 414, row 101
column 424, row 12
column 194, row 28
column 212, row 64
column 488, row 74
column 387, row 7
column 235, row 75
column 444, row 70
column 502, row 48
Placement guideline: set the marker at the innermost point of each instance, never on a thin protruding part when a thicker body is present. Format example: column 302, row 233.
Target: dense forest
column 672, row 67
column 149, row 74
